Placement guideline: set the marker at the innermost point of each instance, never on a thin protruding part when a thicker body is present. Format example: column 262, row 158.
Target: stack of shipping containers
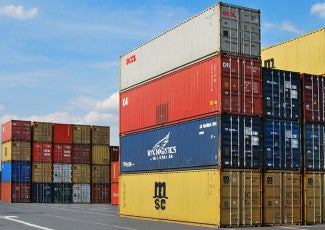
column 190, row 107
column 16, row 162
column 100, row 172
column 115, row 173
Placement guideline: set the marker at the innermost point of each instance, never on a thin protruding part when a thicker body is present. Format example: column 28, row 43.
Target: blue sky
column 59, row 59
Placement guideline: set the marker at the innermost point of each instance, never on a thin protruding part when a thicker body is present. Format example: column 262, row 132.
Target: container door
column 313, row 198
column 291, row 145
column 272, row 144
column 272, row 198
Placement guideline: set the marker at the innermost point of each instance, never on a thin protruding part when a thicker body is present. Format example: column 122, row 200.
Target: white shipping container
column 222, row 28
column 81, row 193
column 62, row 173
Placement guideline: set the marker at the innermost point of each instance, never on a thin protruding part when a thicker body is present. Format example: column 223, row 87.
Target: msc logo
column 131, row 59
column 160, row 195
column 269, row 63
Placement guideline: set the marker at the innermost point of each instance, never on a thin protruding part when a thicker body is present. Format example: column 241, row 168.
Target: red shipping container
column 81, row 153
column 62, row 133
column 15, row 192
column 115, row 153
column 220, row 84
column 114, row 193
column 62, row 153
column 313, row 98
column 42, row 152
column 17, row 131
column 100, row 193
column 115, row 171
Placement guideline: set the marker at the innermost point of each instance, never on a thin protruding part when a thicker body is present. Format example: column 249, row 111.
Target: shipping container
column 62, row 173
column 62, row 133
column 62, row 193
column 231, row 141
column 41, row 193
column 100, row 154
column 62, row 153
column 304, row 54
column 81, row 134
column 314, row 198
column 282, row 144
column 81, row 153
column 15, row 192
column 16, row 151
column 42, row 131
column 114, row 193
column 16, row 171
column 314, row 147
column 115, row 171
column 222, row 28
column 100, row 135
column 16, row 130
column 81, row 193
column 313, row 101
column 222, row 198
column 220, row 84
column 100, row 174
column 81, row 173
column 42, row 172
column 282, row 197
column 100, row 193
column 42, row 152
column 282, row 94
column 115, row 153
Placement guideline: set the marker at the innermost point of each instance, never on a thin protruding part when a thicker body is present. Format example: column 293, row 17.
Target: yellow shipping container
column 100, row 135
column 282, row 200
column 16, row 151
column 314, row 197
column 42, row 131
column 81, row 134
column 81, row 173
column 213, row 197
column 42, row 172
column 305, row 54
column 100, row 174
column 100, row 155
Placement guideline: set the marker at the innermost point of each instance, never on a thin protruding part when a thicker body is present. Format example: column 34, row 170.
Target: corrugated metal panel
column 81, row 173
column 16, row 151
column 62, row 133
column 115, row 171
column 15, row 192
column 62, row 153
column 314, row 146
column 62, row 193
column 221, row 28
column 81, row 134
column 221, row 198
column 227, row 84
column 100, row 154
column 282, row 94
column 303, row 54
column 42, row 152
column 100, row 174
column 194, row 144
column 313, row 101
column 115, row 153
column 62, row 173
column 16, row 171
column 41, row 193
column 282, row 144
column 81, row 193
column 16, row 130
column 114, row 193
column 81, row 153
column 101, row 193
column 42, row 131
column 42, row 172
column 100, row 135
column 282, row 197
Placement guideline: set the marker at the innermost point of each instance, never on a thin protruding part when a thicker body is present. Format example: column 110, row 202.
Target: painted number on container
column 160, row 195
column 131, row 59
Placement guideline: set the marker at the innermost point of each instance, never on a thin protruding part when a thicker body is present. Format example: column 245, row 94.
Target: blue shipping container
column 281, row 94
column 194, row 144
column 282, row 148
column 16, row 171
column 41, row 193
column 314, row 149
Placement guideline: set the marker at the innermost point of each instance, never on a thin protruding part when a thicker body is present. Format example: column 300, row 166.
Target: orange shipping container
column 115, row 171
column 114, row 193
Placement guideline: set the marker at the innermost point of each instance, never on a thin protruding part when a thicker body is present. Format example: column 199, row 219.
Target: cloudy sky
column 59, row 59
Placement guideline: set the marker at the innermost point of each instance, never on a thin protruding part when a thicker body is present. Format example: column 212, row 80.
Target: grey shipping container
column 81, row 193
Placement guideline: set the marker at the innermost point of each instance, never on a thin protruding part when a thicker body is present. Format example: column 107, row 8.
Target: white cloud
column 18, row 12
column 269, row 25
column 319, row 9
column 288, row 26
column 83, row 103
column 111, row 103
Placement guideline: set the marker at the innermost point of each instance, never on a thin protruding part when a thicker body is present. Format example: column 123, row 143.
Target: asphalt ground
column 22, row 216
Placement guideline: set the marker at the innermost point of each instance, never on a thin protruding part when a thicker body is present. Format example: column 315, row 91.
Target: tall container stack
column 313, row 107
column 42, row 154
column 100, row 168
column 192, row 113
column 282, row 182
column 115, row 173
column 16, row 162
